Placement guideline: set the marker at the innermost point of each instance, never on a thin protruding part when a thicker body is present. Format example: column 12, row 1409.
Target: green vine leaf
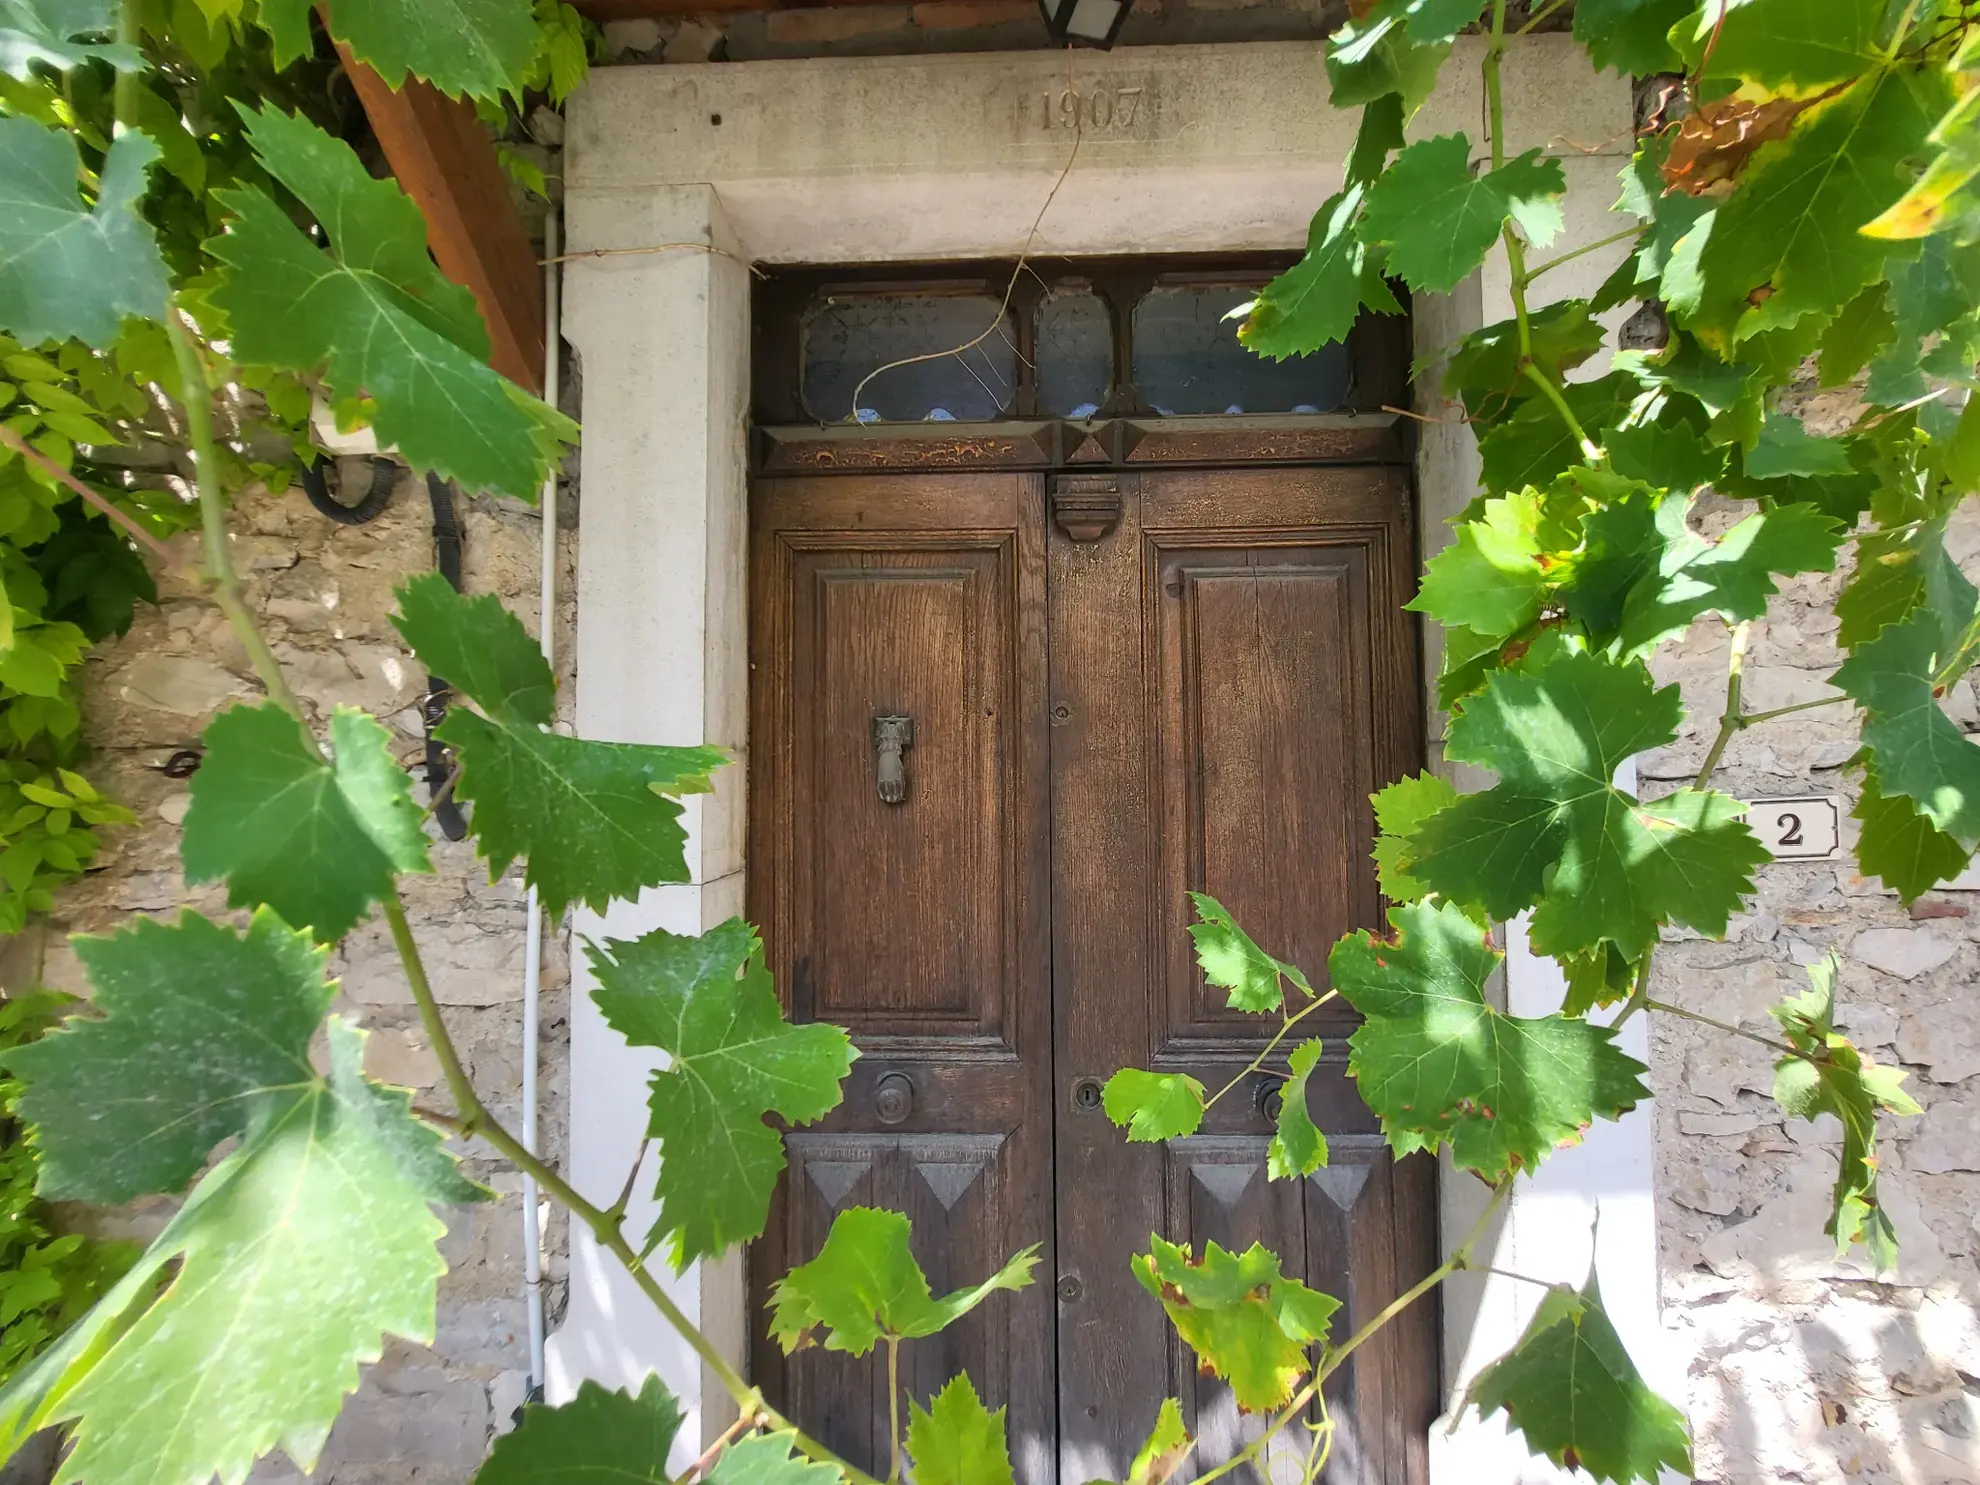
column 1733, row 576
column 1381, row 55
column 733, row 1058
column 1901, row 846
column 1920, row 752
column 1489, row 580
column 1317, row 301
column 1556, row 835
column 1399, row 810
column 67, row 269
column 770, row 1459
column 1437, row 218
column 1438, row 1065
column 1786, row 243
column 197, row 1025
column 1154, row 1106
column 1486, row 369
column 1902, row 565
column 483, row 48
column 1801, row 45
column 1831, row 1076
column 598, row 1434
column 1231, row 961
column 245, row 1323
column 1631, row 36
column 48, row 32
column 1298, row 1147
column 956, row 1440
column 593, row 820
column 371, row 315
column 1245, row 1320
column 1570, row 1387
column 865, row 1286
column 318, row 841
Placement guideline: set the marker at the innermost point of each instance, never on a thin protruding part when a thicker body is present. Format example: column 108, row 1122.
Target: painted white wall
column 864, row 160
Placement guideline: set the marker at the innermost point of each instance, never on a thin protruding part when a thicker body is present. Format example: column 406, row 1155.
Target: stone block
column 1906, row 953
column 1947, row 1139
column 482, row 1332
column 181, row 684
column 423, row 1421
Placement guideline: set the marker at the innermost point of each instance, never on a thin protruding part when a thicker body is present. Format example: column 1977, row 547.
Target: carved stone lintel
column 1086, row 506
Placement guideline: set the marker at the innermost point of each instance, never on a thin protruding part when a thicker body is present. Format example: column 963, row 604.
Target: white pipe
column 533, row 947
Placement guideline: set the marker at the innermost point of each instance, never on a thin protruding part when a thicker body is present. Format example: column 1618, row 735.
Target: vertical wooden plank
column 445, row 161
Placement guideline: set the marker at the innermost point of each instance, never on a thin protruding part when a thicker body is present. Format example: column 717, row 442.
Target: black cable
column 433, row 708
column 384, row 476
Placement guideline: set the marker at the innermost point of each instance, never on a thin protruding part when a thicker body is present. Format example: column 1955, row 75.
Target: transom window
column 1070, row 339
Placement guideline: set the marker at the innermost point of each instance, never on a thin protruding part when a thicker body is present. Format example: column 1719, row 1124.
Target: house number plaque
column 1798, row 827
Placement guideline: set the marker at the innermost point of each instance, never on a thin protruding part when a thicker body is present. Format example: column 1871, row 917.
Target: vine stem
column 1586, row 248
column 605, row 1228
column 49, row 467
column 1730, row 721
column 894, row 1405
column 1459, row 1260
column 1259, row 1061
column 1726, row 1026
column 196, row 394
column 1590, row 450
column 745, row 1420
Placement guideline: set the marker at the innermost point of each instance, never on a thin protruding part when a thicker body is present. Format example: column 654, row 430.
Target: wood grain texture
column 444, row 159
column 1199, row 698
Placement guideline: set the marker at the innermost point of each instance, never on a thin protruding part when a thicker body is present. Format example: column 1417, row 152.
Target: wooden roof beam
column 445, row 161
column 631, row 10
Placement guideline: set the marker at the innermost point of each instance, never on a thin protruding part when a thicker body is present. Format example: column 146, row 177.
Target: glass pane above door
column 1188, row 360
column 1075, row 353
column 959, row 353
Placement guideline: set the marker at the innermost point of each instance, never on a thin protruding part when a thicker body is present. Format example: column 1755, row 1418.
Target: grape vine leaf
column 483, row 48
column 1733, row 576
column 1901, row 565
column 1487, row 368
column 1919, row 751
column 1570, row 1387
column 1437, row 1064
column 956, row 1440
column 1399, row 810
column 195, row 1022
column 1788, row 448
column 1231, row 961
column 1556, row 835
column 770, row 1459
column 48, row 32
column 1394, row 48
column 1533, row 444
column 864, row 1286
column 593, row 819
column 243, row 1326
column 1941, row 200
column 1802, row 45
column 1786, row 243
column 1245, row 1320
column 1631, row 36
column 318, row 841
column 1489, row 579
column 733, row 1058
column 1901, row 846
column 1437, row 218
column 1168, row 1444
column 1154, row 1106
column 600, row 1433
column 66, row 269
column 1298, row 1147
column 1831, row 1076
column 371, row 314
column 1317, row 300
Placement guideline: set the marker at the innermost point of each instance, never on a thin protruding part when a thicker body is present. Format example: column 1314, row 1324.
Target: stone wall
column 1804, row 1367
column 322, row 592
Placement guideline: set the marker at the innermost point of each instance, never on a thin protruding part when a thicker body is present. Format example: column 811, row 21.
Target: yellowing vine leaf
column 1246, row 1321
column 864, row 1286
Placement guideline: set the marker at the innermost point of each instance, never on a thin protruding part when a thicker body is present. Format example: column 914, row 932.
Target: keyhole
column 1086, row 1095
column 1271, row 1098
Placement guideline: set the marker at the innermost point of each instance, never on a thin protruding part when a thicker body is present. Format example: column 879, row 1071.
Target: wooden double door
column 1002, row 723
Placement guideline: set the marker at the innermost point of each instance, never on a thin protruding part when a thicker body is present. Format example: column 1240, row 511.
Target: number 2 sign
column 1798, row 827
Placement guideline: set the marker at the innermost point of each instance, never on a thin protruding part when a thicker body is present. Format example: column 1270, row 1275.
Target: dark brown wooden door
column 1122, row 689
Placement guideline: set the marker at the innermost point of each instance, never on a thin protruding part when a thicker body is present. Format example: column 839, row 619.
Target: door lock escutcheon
column 1087, row 1095
column 892, row 737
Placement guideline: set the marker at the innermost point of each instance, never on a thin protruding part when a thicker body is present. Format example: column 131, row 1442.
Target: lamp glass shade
column 1085, row 22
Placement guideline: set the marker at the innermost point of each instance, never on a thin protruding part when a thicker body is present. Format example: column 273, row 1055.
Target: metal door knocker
column 892, row 736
